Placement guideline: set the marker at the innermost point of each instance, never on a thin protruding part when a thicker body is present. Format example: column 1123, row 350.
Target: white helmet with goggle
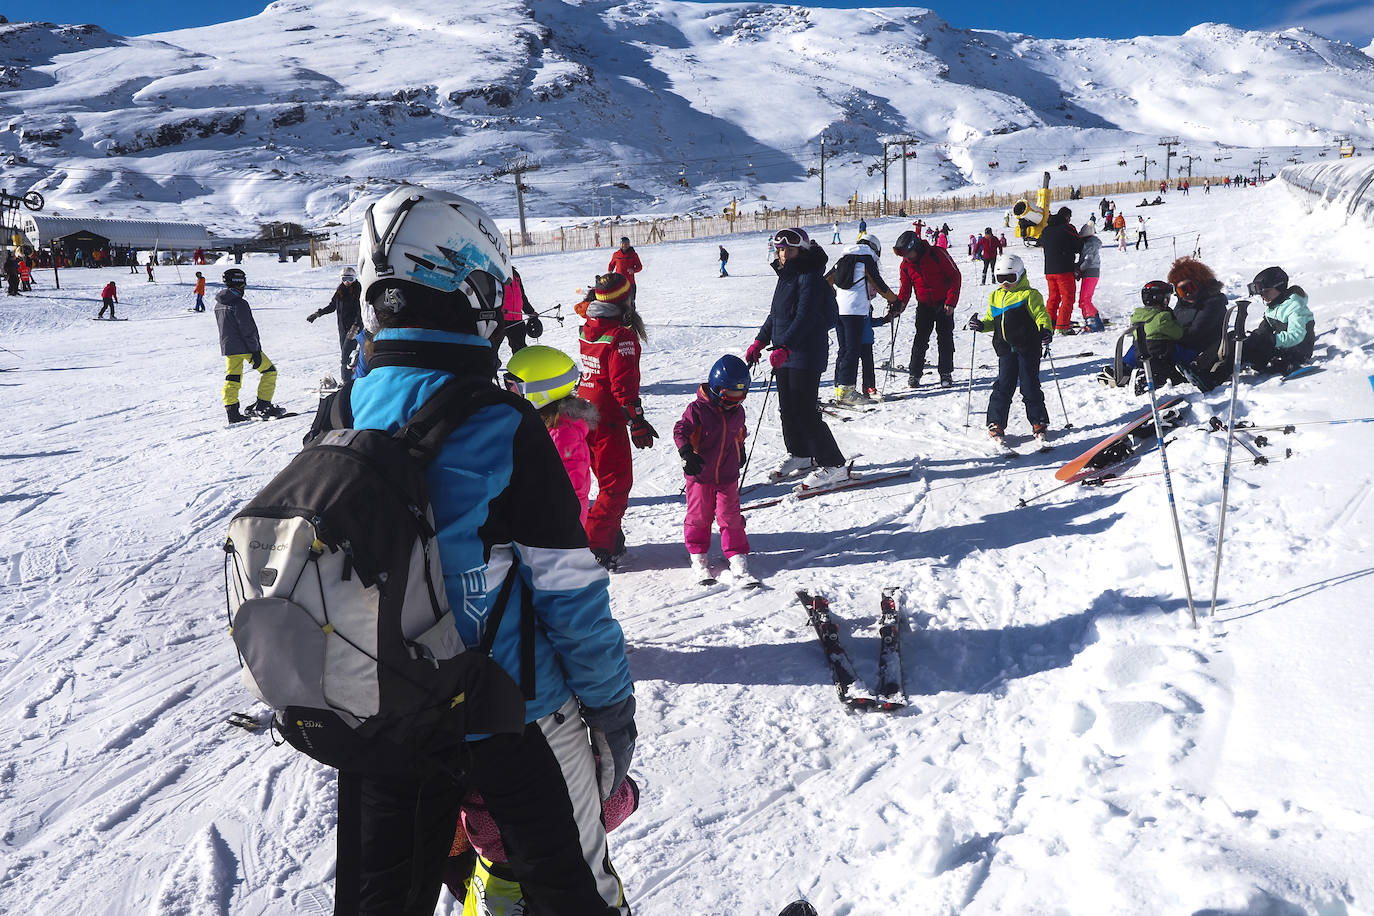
column 440, row 242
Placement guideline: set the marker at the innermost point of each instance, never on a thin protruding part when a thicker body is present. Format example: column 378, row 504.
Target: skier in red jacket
column 610, row 380
column 109, row 298
column 625, row 261
column 931, row 275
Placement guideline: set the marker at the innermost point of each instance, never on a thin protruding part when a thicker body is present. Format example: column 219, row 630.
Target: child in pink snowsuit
column 710, row 438
column 547, row 378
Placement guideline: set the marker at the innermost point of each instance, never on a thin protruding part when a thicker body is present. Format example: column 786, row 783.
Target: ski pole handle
column 1242, row 305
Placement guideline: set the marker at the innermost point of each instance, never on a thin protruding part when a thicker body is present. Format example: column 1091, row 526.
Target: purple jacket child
column 716, row 434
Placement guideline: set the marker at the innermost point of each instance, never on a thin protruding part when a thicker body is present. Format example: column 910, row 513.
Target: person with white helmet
column 347, row 307
column 856, row 280
column 1021, row 329
column 1088, row 272
column 432, row 269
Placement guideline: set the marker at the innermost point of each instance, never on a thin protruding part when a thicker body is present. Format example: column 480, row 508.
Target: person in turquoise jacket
column 505, row 513
column 1283, row 341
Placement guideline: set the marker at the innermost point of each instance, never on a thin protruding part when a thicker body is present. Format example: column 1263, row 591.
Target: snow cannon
column 1031, row 220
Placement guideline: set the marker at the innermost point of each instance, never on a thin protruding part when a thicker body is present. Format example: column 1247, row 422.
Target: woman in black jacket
column 1201, row 310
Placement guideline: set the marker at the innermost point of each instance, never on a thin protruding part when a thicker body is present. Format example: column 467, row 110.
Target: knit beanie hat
column 612, row 288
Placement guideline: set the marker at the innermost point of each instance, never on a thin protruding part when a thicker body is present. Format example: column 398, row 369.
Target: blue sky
column 1351, row 20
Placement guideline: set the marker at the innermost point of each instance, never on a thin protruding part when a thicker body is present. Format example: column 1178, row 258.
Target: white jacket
column 855, row 300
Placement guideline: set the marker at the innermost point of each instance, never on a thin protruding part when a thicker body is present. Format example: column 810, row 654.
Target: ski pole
column 891, row 348
column 1055, row 375
column 968, row 408
column 1238, row 335
column 759, row 424
column 1139, row 330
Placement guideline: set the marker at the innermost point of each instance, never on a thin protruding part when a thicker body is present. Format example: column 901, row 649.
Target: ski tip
column 798, row 908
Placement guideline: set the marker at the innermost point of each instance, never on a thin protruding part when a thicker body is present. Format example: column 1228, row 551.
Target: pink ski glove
column 778, row 357
column 751, row 355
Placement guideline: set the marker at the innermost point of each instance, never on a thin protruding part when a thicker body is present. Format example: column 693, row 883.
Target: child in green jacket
column 1162, row 332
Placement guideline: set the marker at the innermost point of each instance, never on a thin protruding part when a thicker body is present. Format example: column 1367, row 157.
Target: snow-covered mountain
column 634, row 105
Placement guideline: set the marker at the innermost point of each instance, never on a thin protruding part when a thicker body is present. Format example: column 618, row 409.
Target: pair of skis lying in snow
column 891, row 692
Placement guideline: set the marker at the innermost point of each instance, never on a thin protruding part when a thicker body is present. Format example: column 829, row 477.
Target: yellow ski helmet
column 541, row 375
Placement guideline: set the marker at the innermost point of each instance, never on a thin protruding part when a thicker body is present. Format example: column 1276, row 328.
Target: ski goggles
column 1255, row 289
column 793, row 238
column 1006, row 278
column 730, row 396
column 1186, row 289
column 541, row 386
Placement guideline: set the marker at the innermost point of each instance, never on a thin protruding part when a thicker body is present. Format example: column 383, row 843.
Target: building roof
column 140, row 233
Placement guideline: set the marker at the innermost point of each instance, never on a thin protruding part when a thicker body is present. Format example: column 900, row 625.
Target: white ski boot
column 821, row 478
column 791, row 467
column 700, row 569
column 738, row 575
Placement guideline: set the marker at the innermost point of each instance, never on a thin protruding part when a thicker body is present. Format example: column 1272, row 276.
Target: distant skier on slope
column 1021, row 330
column 239, row 343
column 625, row 261
column 109, row 298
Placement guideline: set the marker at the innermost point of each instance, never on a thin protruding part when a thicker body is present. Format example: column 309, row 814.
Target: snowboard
column 1112, row 449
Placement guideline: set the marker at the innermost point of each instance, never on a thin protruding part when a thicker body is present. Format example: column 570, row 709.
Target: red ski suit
column 610, row 380
column 626, row 263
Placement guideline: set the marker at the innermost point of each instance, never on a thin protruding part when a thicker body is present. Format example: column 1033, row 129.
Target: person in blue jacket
column 798, row 326
column 1284, row 339
column 433, row 267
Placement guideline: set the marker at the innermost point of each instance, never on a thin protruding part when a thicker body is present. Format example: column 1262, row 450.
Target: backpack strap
column 446, row 410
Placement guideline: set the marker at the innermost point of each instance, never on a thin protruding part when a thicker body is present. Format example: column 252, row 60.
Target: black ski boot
column 233, row 411
column 265, row 410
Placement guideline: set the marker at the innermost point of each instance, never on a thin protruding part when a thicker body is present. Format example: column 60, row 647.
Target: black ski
column 1250, row 443
column 853, row 693
column 891, row 683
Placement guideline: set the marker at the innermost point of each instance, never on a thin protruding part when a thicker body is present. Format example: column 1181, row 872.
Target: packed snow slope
column 635, row 106
column 1073, row 744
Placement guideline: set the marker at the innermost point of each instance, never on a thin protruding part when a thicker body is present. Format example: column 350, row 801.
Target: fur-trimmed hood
column 574, row 408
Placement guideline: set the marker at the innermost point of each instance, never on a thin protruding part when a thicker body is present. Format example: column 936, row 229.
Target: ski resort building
column 88, row 233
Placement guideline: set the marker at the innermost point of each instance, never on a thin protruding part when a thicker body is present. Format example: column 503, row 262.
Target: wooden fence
column 607, row 233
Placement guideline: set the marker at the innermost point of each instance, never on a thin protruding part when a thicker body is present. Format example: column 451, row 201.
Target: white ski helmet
column 872, row 242
column 1007, row 265
column 438, row 241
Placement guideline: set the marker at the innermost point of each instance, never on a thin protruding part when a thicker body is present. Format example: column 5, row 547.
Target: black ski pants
column 804, row 432
column 932, row 316
column 1018, row 368
column 514, row 333
column 395, row 830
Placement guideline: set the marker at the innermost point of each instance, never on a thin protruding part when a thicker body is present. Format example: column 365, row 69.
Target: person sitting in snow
column 1284, row 340
column 1201, row 312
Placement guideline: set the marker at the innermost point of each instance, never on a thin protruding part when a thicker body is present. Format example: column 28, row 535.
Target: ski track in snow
column 1072, row 744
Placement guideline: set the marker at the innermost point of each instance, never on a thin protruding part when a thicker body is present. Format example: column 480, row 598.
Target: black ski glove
column 311, row 317
column 255, row 358
column 1277, row 325
column 691, row 461
column 1046, row 335
column 975, row 323
column 613, row 736
column 534, row 327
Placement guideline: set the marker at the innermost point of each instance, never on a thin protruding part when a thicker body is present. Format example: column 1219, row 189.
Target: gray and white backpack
column 337, row 603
